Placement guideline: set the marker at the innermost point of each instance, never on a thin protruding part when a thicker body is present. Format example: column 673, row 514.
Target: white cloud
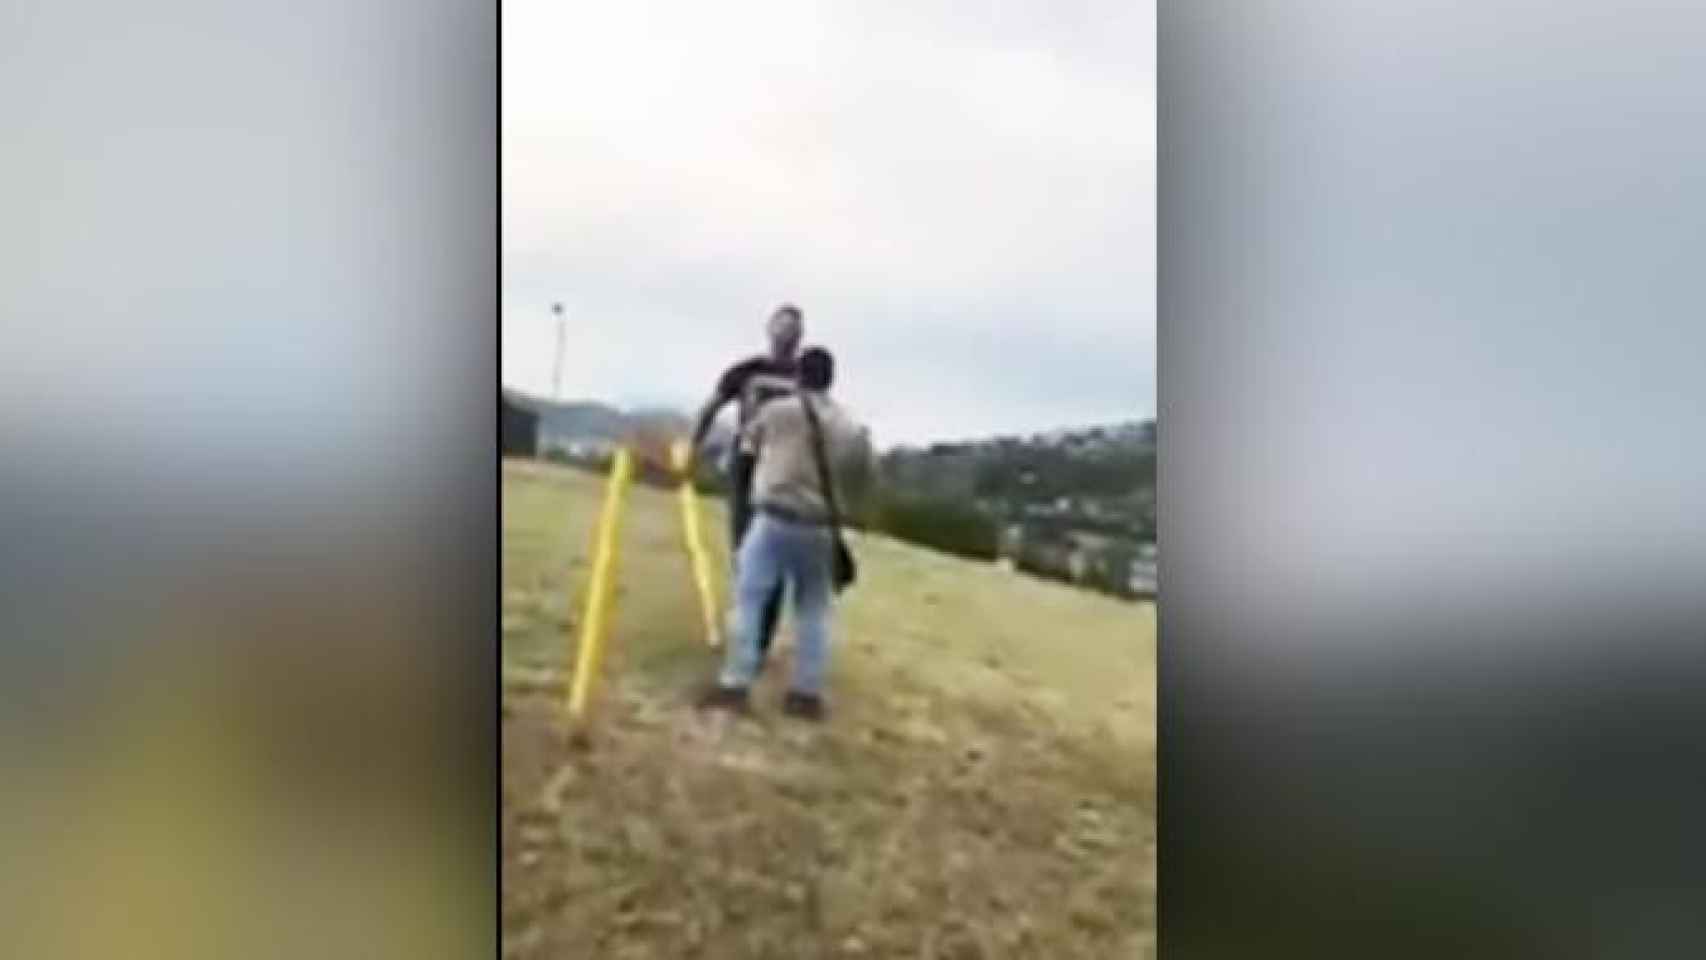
column 672, row 170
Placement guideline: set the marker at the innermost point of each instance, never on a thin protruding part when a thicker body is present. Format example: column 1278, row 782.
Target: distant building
column 1078, row 564
column 518, row 429
column 1143, row 576
column 587, row 449
column 1090, row 541
column 1048, row 558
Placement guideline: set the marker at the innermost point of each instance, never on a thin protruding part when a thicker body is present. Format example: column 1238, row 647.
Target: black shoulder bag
column 842, row 568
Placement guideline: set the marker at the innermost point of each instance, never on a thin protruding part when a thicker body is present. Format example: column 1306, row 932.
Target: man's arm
column 725, row 390
column 707, row 416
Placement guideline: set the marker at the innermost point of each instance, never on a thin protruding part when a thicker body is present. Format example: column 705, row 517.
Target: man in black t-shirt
column 750, row 384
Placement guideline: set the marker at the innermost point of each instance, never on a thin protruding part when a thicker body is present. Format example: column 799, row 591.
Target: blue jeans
column 741, row 515
column 773, row 552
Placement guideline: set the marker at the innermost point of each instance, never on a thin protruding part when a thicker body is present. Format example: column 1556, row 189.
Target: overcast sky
column 961, row 196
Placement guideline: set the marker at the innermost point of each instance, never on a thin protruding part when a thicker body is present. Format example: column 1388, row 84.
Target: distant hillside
column 1073, row 504
column 573, row 420
column 582, row 421
column 1098, row 462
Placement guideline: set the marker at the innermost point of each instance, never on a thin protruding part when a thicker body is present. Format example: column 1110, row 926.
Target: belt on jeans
column 790, row 516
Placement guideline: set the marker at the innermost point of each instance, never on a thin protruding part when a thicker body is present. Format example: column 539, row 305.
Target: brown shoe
column 805, row 706
column 720, row 697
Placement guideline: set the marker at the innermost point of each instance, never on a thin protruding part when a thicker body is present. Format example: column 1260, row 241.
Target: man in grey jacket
column 750, row 384
column 790, row 538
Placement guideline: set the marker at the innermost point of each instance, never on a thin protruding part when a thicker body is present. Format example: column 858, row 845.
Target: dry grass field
column 984, row 787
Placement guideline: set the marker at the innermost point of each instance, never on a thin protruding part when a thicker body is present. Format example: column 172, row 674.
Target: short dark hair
column 817, row 368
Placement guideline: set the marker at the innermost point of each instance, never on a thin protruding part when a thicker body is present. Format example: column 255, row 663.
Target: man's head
column 786, row 328
column 817, row 369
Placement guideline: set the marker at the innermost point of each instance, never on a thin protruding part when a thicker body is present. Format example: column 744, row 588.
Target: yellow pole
column 692, row 530
column 601, row 591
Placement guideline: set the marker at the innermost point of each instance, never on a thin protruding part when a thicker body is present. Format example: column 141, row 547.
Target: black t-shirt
column 754, row 382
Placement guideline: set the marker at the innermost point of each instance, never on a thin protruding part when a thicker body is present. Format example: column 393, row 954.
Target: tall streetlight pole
column 557, row 368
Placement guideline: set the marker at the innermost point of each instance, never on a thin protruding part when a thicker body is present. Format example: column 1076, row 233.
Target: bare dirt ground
column 984, row 786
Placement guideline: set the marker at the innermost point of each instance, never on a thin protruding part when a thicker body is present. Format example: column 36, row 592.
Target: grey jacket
column 786, row 477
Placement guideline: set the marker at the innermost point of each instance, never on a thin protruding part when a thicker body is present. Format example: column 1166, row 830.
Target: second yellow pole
column 692, row 531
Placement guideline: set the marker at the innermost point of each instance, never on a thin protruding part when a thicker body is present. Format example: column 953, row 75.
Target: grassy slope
column 985, row 787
